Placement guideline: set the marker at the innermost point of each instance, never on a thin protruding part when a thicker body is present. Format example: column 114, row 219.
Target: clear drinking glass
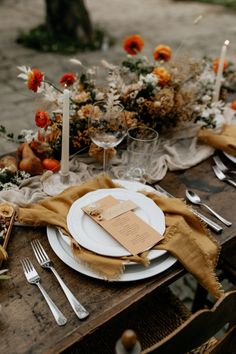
column 107, row 127
column 141, row 144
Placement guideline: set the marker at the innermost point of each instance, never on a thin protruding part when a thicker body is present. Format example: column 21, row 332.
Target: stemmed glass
column 106, row 127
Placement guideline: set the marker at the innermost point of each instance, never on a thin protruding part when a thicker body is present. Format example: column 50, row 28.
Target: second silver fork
column 45, row 262
column 222, row 166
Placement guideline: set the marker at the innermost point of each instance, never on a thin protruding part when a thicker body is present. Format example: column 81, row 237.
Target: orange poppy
column 216, row 63
column 163, row 75
column 233, row 105
column 42, row 119
column 68, row 79
column 162, row 52
column 133, row 44
column 35, row 78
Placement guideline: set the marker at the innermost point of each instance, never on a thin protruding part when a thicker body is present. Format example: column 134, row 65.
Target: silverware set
column 221, row 171
column 213, row 225
column 33, row 278
column 195, row 199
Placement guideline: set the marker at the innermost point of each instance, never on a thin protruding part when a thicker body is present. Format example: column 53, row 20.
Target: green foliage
column 39, row 38
column 229, row 3
column 139, row 66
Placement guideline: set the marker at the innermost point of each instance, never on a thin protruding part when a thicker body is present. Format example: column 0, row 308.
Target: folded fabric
column 225, row 140
column 185, row 236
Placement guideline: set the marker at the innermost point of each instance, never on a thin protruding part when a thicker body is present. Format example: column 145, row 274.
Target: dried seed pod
column 9, row 162
column 6, row 210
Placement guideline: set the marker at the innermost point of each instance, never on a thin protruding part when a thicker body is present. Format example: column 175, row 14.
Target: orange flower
column 233, row 105
column 162, row 52
column 35, row 78
column 133, row 44
column 163, row 76
column 40, row 137
column 216, row 63
column 68, row 79
column 42, row 119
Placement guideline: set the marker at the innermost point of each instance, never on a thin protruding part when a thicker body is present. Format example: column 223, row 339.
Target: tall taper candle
column 65, row 134
column 220, row 72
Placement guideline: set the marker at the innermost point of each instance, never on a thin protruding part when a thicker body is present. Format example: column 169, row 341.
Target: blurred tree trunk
column 69, row 19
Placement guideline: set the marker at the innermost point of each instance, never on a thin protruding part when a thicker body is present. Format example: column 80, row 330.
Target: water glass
column 141, row 144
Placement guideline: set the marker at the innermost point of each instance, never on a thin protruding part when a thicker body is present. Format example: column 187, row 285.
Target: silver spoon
column 195, row 199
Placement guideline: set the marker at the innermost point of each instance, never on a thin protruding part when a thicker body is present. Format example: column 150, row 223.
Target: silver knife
column 213, row 225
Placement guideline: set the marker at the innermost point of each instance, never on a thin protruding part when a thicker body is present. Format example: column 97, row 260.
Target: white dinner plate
column 134, row 186
column 93, row 237
column 230, row 157
column 130, row 274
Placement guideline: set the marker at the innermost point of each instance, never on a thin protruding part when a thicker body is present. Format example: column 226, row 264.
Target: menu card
column 118, row 219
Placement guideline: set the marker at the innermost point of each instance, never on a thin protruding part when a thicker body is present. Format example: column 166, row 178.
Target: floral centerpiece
column 162, row 93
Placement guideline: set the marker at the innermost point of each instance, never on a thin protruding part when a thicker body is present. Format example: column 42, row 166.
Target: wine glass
column 106, row 126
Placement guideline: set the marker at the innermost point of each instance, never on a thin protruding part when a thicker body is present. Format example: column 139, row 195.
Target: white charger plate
column 138, row 272
column 93, row 237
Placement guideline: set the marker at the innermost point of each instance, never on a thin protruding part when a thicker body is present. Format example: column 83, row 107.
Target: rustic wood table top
column 26, row 324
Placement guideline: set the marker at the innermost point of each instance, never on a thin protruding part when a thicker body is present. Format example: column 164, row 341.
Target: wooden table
column 27, row 326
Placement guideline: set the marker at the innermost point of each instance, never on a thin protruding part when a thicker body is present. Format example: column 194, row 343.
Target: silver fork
column 222, row 166
column 33, row 278
column 219, row 174
column 46, row 262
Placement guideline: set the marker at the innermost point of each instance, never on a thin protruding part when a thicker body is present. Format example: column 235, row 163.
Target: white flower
column 24, row 72
column 219, row 121
column 28, row 135
column 140, row 100
column 99, row 96
column 205, row 114
column 49, row 93
column 92, row 71
column 75, row 61
column 149, row 79
column 107, row 65
column 206, row 98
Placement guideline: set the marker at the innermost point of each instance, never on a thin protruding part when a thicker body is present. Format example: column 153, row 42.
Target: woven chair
column 162, row 315
column 194, row 335
column 152, row 318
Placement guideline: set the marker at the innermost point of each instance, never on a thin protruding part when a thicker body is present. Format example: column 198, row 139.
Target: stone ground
column 158, row 21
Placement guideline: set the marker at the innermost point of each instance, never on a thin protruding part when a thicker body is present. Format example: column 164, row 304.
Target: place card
column 118, row 219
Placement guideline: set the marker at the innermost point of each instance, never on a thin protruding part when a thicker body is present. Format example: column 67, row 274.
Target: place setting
column 94, row 238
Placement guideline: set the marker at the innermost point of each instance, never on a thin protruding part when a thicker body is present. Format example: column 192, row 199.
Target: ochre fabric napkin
column 225, row 140
column 185, row 237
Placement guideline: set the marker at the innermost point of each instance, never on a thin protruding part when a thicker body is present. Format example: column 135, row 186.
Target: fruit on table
column 51, row 164
column 30, row 162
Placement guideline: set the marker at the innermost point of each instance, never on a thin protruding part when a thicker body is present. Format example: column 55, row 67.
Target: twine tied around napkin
column 225, row 140
column 185, row 236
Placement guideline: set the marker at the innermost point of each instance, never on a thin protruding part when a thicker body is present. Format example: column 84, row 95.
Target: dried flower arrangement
column 162, row 93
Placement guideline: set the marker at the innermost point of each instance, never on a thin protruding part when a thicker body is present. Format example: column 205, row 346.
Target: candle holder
column 58, row 182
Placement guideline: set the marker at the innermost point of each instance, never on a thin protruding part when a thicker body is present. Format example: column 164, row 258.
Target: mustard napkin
column 225, row 140
column 185, row 237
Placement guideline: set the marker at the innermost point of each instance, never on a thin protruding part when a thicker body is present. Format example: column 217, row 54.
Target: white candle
column 65, row 134
column 220, row 72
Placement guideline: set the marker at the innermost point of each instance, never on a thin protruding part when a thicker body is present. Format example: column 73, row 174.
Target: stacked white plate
column 92, row 237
